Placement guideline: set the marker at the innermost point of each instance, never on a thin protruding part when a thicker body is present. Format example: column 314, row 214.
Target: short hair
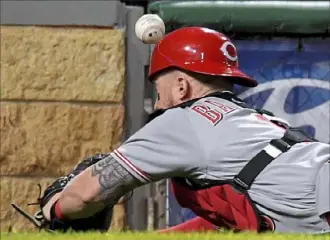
column 213, row 81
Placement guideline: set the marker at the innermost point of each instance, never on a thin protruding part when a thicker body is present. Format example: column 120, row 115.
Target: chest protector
column 227, row 203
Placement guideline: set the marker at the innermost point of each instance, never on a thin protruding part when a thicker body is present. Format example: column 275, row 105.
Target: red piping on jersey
column 135, row 169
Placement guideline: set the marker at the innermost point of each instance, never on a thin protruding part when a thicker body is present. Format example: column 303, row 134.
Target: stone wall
column 61, row 100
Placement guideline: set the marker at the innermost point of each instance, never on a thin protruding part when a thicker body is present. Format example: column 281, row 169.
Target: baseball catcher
column 100, row 221
column 236, row 167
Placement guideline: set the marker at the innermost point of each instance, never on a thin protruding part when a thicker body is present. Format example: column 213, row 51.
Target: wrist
column 47, row 206
column 56, row 212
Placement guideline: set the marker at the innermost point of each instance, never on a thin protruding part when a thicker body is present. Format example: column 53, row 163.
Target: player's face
column 172, row 89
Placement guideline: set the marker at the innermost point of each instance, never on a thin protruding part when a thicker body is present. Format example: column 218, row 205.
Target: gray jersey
column 214, row 139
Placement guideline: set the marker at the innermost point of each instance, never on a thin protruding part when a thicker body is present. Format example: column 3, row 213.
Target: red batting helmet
column 199, row 50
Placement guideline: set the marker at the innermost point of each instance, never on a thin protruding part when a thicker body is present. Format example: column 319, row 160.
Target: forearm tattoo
column 114, row 180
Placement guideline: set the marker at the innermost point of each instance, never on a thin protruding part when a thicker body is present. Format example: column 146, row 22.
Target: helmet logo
column 229, row 50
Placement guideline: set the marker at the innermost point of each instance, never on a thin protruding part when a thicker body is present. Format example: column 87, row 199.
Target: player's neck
column 205, row 92
column 199, row 92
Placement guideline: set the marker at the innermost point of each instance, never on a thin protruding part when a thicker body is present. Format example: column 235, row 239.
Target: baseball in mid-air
column 150, row 28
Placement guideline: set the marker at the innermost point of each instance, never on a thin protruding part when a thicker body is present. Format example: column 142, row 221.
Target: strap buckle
column 239, row 185
column 280, row 145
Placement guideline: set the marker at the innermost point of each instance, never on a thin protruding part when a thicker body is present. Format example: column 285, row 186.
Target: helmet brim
column 238, row 77
column 216, row 69
column 213, row 69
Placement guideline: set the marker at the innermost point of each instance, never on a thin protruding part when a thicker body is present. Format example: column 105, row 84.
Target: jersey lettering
column 211, row 115
column 222, row 107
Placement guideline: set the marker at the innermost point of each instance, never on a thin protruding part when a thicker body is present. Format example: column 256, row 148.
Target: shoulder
column 177, row 113
column 173, row 120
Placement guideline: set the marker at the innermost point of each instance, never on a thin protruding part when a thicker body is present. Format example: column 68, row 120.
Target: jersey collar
column 225, row 95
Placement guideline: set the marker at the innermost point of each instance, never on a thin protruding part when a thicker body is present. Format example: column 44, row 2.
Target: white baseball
column 150, row 28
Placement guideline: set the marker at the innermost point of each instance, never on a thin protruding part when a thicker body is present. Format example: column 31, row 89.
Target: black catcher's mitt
column 99, row 222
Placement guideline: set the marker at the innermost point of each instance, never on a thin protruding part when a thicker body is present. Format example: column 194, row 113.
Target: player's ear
column 183, row 88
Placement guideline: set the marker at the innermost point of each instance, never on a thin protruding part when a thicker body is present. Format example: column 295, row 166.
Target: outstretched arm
column 153, row 153
column 100, row 185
